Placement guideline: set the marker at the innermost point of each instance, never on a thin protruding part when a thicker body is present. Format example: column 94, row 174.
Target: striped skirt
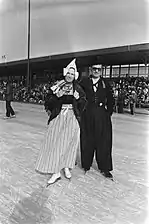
column 60, row 144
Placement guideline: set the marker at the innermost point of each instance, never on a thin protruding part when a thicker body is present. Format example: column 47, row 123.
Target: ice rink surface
column 86, row 199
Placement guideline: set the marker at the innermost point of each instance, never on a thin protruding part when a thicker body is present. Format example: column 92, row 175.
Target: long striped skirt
column 60, row 144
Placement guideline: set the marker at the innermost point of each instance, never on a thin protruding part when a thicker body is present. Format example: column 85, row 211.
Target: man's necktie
column 95, row 86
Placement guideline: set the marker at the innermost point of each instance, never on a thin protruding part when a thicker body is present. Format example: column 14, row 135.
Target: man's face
column 96, row 71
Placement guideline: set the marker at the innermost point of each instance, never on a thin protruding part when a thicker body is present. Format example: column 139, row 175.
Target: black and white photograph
column 74, row 111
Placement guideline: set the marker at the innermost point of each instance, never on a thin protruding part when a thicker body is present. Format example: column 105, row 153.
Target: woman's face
column 70, row 75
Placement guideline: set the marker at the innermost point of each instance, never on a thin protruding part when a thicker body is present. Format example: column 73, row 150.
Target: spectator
column 39, row 92
column 9, row 98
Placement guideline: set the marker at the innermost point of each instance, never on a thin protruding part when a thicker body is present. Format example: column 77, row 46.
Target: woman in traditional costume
column 64, row 104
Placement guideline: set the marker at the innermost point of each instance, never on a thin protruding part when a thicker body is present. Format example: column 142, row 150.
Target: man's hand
column 76, row 95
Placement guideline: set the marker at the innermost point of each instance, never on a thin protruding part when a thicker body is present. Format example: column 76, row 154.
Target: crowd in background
column 21, row 93
column 131, row 91
column 125, row 91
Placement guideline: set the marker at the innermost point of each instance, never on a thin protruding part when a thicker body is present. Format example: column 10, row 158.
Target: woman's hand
column 49, row 113
column 60, row 93
column 76, row 95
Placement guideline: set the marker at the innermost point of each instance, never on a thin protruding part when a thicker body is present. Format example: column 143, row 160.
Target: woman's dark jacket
column 54, row 103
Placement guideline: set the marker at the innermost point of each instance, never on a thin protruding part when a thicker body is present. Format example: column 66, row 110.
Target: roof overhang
column 130, row 54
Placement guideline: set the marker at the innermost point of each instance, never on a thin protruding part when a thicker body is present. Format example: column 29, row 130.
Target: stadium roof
column 129, row 54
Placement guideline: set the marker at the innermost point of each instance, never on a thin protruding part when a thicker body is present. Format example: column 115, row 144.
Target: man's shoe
column 67, row 173
column 85, row 170
column 55, row 177
column 107, row 174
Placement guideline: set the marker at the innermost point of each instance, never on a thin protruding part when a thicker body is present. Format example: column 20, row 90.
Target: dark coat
column 54, row 104
column 96, row 126
column 9, row 92
column 105, row 97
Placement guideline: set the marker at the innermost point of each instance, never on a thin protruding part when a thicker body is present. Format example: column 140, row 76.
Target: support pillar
column 28, row 58
column 102, row 70
column 110, row 71
column 105, row 70
column 128, row 70
column 119, row 71
column 146, row 75
column 138, row 69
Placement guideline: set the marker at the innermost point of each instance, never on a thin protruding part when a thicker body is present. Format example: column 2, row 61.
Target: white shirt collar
column 95, row 80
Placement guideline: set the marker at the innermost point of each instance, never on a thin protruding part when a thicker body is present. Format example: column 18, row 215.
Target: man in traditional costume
column 96, row 126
